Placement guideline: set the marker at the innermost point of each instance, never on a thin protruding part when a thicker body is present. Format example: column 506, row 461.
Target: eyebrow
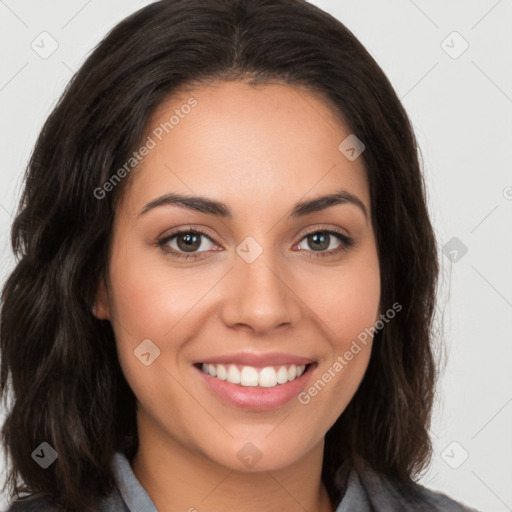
column 219, row 209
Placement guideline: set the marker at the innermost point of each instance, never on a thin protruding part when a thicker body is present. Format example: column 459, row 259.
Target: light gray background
column 461, row 109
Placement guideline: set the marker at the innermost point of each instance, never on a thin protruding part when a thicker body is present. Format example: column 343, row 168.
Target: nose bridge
column 260, row 294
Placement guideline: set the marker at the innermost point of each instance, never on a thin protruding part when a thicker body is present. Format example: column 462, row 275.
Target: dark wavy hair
column 60, row 362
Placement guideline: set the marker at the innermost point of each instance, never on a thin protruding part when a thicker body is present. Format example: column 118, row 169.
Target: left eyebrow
column 219, row 209
column 320, row 203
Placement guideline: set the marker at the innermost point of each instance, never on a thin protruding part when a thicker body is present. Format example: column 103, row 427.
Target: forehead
column 260, row 145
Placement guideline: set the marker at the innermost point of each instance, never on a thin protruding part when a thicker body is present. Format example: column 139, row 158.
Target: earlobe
column 101, row 308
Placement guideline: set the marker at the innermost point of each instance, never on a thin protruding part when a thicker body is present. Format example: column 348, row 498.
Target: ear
column 101, row 307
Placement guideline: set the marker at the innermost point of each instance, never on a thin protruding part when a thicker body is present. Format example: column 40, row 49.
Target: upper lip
column 257, row 359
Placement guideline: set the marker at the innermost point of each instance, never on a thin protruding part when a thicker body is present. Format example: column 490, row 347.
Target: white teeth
column 222, row 374
column 233, row 374
column 282, row 375
column 249, row 376
column 267, row 377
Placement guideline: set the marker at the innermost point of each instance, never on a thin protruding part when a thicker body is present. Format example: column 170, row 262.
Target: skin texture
column 260, row 150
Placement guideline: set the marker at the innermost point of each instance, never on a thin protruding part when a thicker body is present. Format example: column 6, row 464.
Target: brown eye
column 186, row 243
column 324, row 242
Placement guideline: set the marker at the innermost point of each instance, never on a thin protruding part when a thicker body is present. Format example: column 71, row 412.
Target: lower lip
column 254, row 397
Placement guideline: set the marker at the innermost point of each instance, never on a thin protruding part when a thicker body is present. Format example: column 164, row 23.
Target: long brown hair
column 60, row 362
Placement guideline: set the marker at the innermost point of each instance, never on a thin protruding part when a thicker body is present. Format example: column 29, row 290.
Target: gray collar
column 367, row 491
column 132, row 497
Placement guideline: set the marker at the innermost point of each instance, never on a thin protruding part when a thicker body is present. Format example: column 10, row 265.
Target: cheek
column 348, row 308
column 357, row 306
column 148, row 299
column 151, row 301
column 347, row 302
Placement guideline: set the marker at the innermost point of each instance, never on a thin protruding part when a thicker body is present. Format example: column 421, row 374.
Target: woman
column 229, row 274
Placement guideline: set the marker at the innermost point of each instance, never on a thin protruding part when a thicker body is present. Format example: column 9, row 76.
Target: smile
column 256, row 387
column 266, row 377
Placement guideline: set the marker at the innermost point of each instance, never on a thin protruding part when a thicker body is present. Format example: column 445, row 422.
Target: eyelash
column 346, row 243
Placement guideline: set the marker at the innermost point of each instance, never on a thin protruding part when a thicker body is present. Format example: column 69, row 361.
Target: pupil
column 315, row 239
column 191, row 242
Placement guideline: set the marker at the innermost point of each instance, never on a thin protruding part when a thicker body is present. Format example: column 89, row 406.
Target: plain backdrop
column 451, row 65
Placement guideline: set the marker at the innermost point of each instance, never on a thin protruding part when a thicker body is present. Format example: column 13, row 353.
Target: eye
column 324, row 239
column 191, row 243
column 186, row 243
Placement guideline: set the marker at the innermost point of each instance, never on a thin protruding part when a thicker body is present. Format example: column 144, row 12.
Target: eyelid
column 164, row 239
column 346, row 242
column 314, row 228
column 304, row 232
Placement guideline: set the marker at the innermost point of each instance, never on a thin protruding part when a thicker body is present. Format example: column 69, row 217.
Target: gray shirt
column 369, row 492
column 366, row 491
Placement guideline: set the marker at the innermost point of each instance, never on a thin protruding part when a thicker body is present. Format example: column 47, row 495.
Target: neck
column 179, row 479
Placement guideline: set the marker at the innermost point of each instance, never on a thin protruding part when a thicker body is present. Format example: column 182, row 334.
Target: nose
column 260, row 296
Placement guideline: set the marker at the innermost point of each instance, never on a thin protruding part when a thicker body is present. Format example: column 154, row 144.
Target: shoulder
column 31, row 504
column 386, row 493
column 424, row 499
column 36, row 503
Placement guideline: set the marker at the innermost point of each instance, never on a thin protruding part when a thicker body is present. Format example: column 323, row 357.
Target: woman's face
column 266, row 285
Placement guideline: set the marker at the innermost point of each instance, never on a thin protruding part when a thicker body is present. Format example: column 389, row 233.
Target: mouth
column 251, row 376
column 255, row 387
